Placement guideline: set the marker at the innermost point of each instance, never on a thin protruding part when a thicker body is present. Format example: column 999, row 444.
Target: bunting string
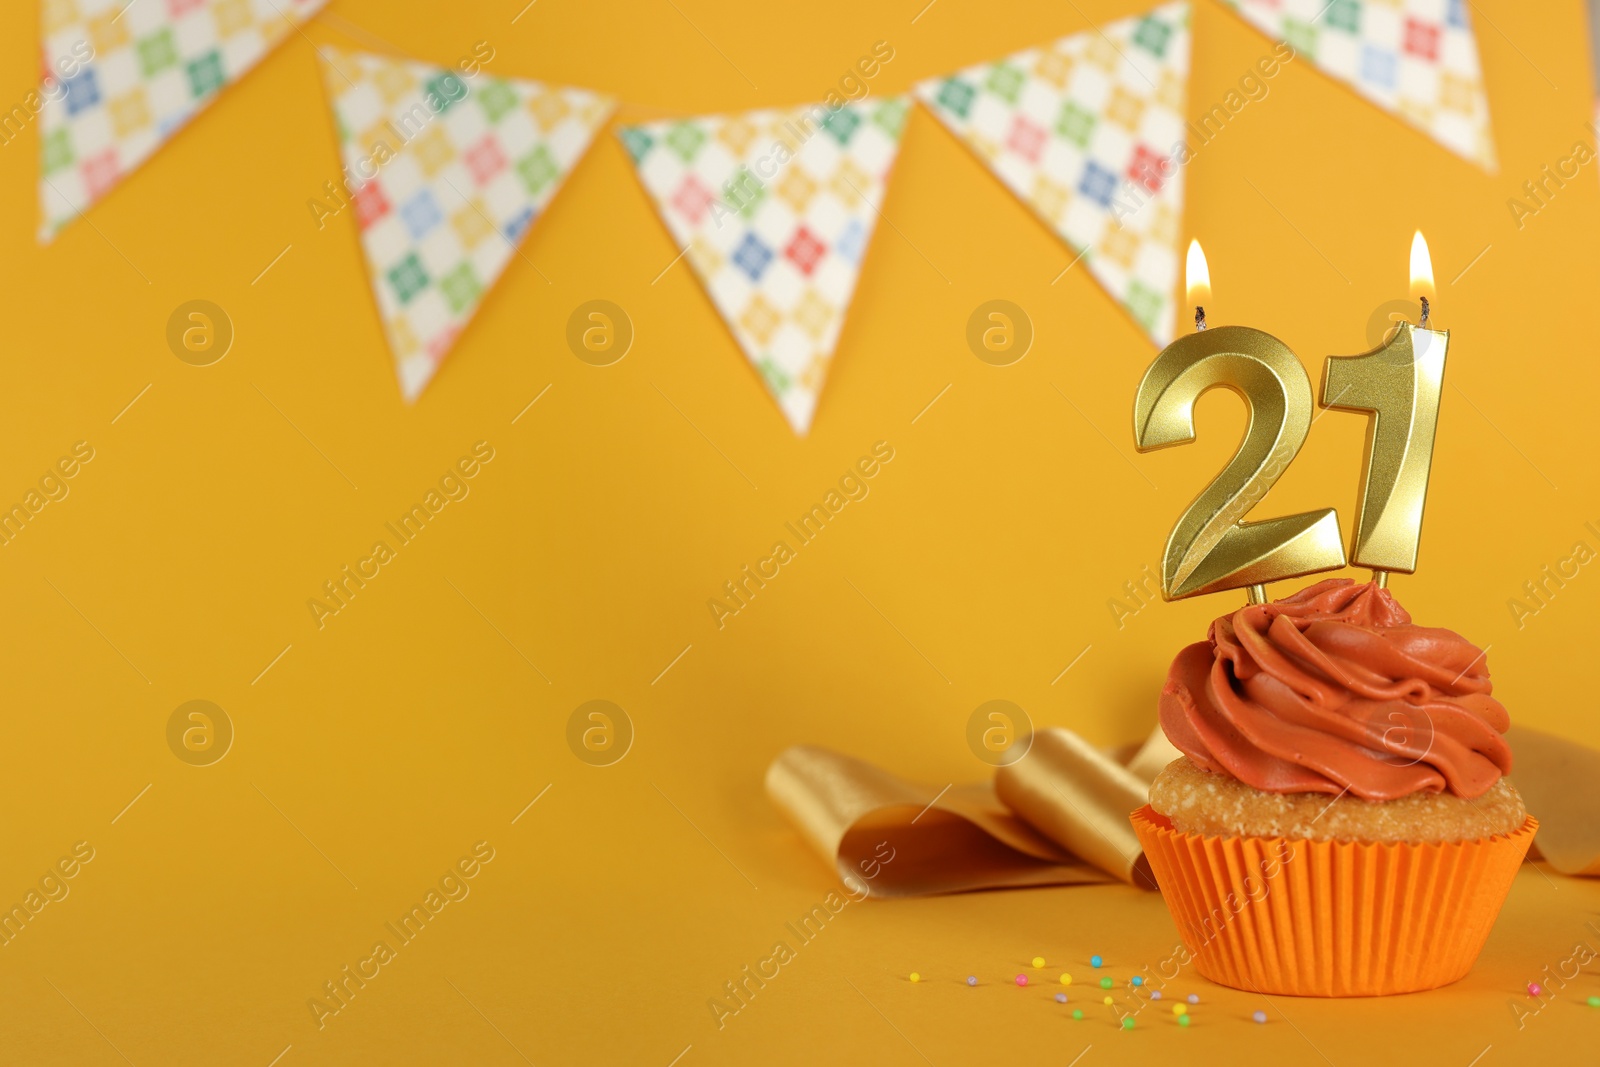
column 447, row 168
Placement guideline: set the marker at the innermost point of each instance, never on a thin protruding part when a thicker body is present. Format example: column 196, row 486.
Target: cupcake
column 1339, row 823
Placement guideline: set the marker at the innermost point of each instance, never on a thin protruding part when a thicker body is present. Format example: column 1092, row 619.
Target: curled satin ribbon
column 1079, row 797
column 1059, row 815
column 1560, row 783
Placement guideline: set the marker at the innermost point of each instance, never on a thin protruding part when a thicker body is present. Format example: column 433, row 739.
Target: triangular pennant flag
column 775, row 209
column 1414, row 58
column 1088, row 131
column 449, row 173
column 121, row 78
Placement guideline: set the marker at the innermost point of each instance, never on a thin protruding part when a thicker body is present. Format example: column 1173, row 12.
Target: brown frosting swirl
column 1333, row 689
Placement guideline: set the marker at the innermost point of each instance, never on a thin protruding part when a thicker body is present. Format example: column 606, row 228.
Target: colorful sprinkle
column 1095, row 961
column 1594, row 1002
column 1105, row 983
column 1138, row 980
column 1260, row 1016
column 1183, row 1020
column 1077, row 1013
column 1193, row 998
column 1061, row 998
column 1022, row 979
column 1180, row 1009
column 915, row 977
column 1535, row 989
column 1155, row 994
column 972, row 979
column 1107, row 1002
column 1127, row 1022
column 1066, row 979
column 1038, row 961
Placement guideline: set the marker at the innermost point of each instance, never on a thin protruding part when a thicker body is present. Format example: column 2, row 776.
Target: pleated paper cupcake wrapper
column 1331, row 918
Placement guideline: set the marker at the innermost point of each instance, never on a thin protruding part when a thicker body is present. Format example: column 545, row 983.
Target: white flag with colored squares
column 450, row 173
column 121, row 78
column 1086, row 131
column 775, row 209
column 1414, row 58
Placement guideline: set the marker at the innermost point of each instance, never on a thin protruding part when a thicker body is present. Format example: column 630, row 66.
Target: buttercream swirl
column 1334, row 689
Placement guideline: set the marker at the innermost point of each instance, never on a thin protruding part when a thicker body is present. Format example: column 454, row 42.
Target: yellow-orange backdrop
column 427, row 715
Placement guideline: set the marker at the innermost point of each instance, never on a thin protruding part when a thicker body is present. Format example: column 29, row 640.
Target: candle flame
column 1198, row 275
column 1421, row 268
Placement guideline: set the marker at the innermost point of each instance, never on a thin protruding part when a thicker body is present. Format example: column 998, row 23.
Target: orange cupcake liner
column 1331, row 918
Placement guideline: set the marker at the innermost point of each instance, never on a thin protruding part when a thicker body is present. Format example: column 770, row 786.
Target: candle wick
column 1425, row 312
column 1200, row 316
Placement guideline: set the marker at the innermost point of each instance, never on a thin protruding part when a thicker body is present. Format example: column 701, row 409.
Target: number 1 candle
column 1398, row 386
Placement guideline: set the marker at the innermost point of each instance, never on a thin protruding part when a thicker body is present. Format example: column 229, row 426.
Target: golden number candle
column 1211, row 547
column 1398, row 386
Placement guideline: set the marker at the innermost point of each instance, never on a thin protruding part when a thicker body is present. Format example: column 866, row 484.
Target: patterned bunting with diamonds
column 138, row 72
column 1087, row 131
column 1417, row 59
column 775, row 209
column 452, row 172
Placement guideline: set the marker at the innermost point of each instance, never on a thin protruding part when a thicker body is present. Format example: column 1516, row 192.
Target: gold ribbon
column 1059, row 815
column 1560, row 783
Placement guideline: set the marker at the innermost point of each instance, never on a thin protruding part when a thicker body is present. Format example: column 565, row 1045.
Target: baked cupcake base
column 1326, row 918
column 1205, row 802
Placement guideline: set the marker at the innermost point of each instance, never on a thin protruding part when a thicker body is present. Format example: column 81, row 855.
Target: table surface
column 563, row 952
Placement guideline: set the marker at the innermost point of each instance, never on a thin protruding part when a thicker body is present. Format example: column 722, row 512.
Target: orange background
column 377, row 750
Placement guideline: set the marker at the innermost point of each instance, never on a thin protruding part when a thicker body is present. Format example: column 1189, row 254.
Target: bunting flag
column 774, row 210
column 1414, row 58
column 1089, row 132
column 448, row 172
column 447, row 168
column 130, row 75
